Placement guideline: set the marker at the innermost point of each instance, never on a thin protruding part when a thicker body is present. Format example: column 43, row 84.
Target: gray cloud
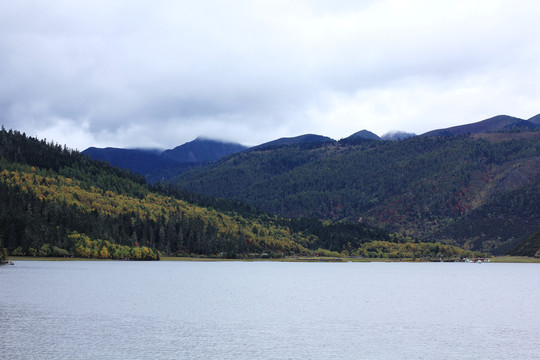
column 128, row 73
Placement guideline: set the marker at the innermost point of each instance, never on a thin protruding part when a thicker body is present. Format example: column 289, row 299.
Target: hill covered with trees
column 59, row 202
column 479, row 191
column 54, row 201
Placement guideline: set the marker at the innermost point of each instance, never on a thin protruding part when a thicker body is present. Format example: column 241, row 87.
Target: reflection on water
column 267, row 310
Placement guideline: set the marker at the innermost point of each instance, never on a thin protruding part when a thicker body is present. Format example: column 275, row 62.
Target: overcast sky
column 160, row 73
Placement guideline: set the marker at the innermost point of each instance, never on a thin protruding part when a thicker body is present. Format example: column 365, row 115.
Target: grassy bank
column 498, row 259
column 206, row 259
column 514, row 259
column 52, row 258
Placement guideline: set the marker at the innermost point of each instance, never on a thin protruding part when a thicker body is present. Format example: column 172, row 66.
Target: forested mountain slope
column 54, row 201
column 478, row 191
column 535, row 119
column 59, row 202
column 529, row 247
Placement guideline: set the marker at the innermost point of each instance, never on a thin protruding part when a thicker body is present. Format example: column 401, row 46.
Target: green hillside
column 58, row 202
column 54, row 201
column 429, row 187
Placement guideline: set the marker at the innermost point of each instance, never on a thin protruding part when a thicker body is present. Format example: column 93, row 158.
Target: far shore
column 495, row 259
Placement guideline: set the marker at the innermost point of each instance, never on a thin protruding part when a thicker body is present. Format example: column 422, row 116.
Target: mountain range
column 474, row 185
column 163, row 165
column 58, row 202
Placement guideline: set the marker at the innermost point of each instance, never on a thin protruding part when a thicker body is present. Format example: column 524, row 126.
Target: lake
column 268, row 310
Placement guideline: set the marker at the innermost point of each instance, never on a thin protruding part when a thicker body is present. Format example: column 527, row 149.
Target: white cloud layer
column 160, row 73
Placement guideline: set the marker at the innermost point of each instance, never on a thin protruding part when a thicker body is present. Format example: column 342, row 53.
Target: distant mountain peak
column 365, row 134
column 301, row 139
column 496, row 123
column 202, row 138
column 202, row 149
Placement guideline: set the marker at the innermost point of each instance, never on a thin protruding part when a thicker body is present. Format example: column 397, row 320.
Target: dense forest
column 58, row 202
column 480, row 191
column 54, row 201
column 529, row 247
column 3, row 254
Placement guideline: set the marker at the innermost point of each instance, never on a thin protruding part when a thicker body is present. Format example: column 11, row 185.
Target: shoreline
column 496, row 259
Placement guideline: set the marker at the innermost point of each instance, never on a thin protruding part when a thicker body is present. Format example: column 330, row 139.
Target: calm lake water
column 269, row 310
